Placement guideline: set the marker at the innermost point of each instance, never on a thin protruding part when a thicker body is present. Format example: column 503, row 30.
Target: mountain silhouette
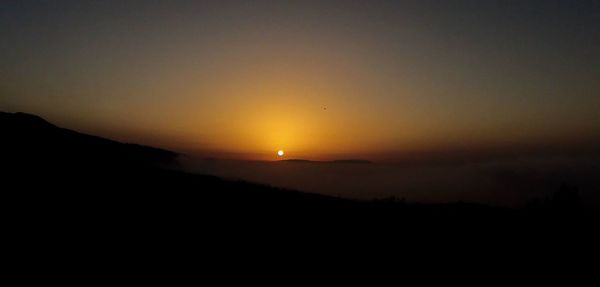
column 45, row 166
column 30, row 139
column 58, row 180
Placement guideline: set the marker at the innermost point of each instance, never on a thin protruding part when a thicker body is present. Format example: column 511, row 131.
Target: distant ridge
column 30, row 138
column 25, row 117
column 339, row 161
column 64, row 181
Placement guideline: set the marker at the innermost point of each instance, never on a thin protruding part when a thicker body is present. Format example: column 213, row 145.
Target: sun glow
column 280, row 153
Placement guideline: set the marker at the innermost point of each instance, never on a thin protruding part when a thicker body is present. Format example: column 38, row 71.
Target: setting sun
column 481, row 114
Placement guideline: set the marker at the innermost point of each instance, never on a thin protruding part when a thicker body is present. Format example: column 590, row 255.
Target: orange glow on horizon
column 246, row 81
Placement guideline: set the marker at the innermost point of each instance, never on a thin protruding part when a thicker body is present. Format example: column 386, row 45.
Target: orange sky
column 320, row 81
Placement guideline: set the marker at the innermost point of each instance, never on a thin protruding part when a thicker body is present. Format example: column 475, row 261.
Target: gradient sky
column 318, row 79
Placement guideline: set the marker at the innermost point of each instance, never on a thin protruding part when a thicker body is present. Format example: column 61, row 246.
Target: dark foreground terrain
column 56, row 180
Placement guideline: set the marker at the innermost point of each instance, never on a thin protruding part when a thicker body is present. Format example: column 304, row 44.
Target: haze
column 377, row 80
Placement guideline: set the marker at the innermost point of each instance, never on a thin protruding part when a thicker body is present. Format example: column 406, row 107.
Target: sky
column 378, row 80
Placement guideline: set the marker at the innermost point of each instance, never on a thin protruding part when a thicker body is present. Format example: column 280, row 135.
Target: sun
column 280, row 153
